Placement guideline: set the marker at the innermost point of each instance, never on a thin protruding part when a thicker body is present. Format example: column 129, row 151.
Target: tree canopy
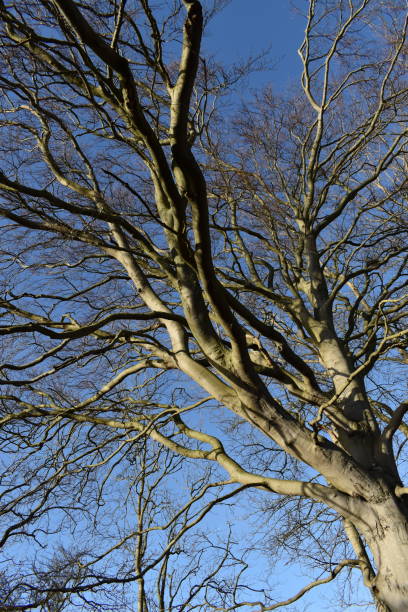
column 201, row 308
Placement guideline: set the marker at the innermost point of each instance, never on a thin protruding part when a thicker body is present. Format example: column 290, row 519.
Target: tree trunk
column 386, row 531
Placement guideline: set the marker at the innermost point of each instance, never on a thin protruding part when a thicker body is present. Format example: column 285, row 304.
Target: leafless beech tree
column 183, row 289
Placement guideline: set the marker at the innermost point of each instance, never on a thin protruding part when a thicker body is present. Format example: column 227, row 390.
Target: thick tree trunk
column 386, row 531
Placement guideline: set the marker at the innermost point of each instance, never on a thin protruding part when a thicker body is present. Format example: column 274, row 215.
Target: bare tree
column 165, row 264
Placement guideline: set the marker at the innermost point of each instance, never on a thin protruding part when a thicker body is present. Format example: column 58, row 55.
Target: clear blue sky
column 248, row 27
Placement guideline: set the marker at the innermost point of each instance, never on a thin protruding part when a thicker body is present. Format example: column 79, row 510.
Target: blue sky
column 248, row 27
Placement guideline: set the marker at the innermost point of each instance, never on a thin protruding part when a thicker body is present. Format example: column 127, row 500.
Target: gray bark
column 385, row 528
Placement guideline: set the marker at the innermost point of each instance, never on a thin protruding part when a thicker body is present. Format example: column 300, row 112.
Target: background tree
column 164, row 266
